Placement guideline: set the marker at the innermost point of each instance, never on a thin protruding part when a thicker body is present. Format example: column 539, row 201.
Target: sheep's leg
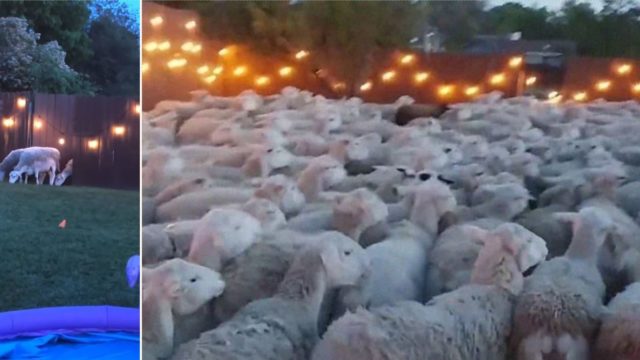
column 38, row 181
column 52, row 175
column 534, row 347
column 574, row 348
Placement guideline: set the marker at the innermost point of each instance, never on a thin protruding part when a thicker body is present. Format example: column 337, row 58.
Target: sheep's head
column 503, row 201
column 14, row 177
column 345, row 262
column 332, row 172
column 588, row 224
column 531, row 249
column 268, row 213
column 330, row 118
column 502, row 260
column 156, row 245
column 358, row 210
column 284, row 192
column 278, row 157
column 356, row 149
column 185, row 285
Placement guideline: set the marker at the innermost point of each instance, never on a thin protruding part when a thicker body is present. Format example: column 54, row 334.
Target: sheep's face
column 345, row 262
column 357, row 149
column 234, row 231
column 453, row 154
column 357, row 211
column 269, row 215
column 14, row 177
column 59, row 179
column 278, row 157
column 250, row 102
column 190, row 286
column 497, row 265
column 332, row 173
column 283, row 192
column 589, row 223
column 271, row 137
column 530, row 248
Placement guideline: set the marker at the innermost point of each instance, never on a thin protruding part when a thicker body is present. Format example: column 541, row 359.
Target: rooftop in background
column 501, row 44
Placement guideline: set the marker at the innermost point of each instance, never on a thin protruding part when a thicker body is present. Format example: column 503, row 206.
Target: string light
column 93, row 144
column 61, row 141
column 37, row 124
column 603, row 85
column 471, row 90
column 151, row 46
column 553, row 94
column 388, row 76
column 515, row 61
column 8, row 122
column 285, row 71
column 339, row 86
column 302, row 54
column 224, row 51
column 531, row 80
column 156, row 21
column 445, row 90
column 421, row 77
column 188, row 46
column 240, row 70
column 196, row 48
column 366, row 86
column 407, row 59
column 190, row 25
column 145, row 67
column 624, row 69
column 136, row 109
column 497, row 79
column 262, row 81
column 118, row 130
column 177, row 63
column 636, row 88
column 21, row 103
column 580, row 96
column 164, row 46
column 210, row 79
column 203, row 69
column 218, row 70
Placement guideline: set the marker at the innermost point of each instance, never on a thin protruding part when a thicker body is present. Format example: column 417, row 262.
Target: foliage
column 24, row 64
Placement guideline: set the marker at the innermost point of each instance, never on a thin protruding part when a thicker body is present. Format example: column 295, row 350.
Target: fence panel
column 101, row 134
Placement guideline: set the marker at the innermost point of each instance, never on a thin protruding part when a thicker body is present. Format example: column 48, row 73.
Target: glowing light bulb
column 624, row 69
column 156, row 21
column 366, row 86
column 177, row 63
column 240, row 71
column 164, row 46
column 8, row 122
column 262, row 81
column 302, row 54
column 151, row 46
column 445, row 90
column 203, row 69
column 388, row 76
column 497, row 79
column 119, row 130
column 145, row 67
column 21, row 103
column 339, row 86
column 210, row 79
column 190, row 25
column 187, row 46
column 636, row 88
column 553, row 94
column 531, row 80
column 218, row 70
column 407, row 59
column 515, row 61
column 421, row 77
column 93, row 144
column 37, row 124
column 471, row 90
column 580, row 96
column 224, row 51
column 61, row 141
column 136, row 109
column 603, row 85
column 285, row 71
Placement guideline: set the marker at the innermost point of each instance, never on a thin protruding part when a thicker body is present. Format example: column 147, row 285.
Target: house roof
column 488, row 44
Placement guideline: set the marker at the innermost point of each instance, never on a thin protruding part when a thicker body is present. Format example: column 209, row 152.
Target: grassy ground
column 83, row 264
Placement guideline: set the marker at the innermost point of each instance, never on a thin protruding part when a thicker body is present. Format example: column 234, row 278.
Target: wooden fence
column 101, row 134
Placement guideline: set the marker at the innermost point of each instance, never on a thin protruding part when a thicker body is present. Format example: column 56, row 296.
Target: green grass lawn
column 83, row 264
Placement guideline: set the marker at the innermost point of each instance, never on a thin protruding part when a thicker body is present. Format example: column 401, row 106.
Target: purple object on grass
column 133, row 270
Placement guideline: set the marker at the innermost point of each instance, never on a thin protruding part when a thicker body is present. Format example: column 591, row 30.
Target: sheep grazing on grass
column 34, row 161
column 9, row 162
column 64, row 174
column 560, row 308
column 175, row 288
column 472, row 322
column 284, row 326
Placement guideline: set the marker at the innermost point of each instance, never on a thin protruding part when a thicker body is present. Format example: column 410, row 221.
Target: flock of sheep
column 35, row 161
column 297, row 227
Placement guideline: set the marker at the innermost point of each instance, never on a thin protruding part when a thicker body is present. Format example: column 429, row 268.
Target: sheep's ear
column 570, row 217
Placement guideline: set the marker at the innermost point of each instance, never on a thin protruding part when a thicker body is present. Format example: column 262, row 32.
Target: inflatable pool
column 73, row 333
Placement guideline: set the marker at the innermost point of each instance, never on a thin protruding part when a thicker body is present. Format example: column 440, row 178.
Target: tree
column 26, row 65
column 343, row 36
column 61, row 21
column 534, row 24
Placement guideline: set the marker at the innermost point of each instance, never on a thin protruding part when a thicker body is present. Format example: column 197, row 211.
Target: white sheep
column 620, row 329
column 37, row 159
column 9, row 162
column 321, row 174
column 472, row 322
column 64, row 174
column 221, row 235
column 175, row 288
column 285, row 326
column 560, row 307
